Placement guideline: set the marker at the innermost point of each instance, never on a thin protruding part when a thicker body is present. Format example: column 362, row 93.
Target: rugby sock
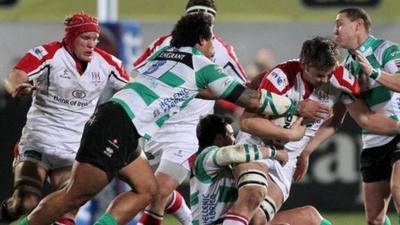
column 106, row 219
column 232, row 218
column 179, row 209
column 325, row 222
column 150, row 218
column 64, row 221
column 22, row 221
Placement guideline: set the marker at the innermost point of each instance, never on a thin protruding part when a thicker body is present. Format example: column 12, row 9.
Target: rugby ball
column 284, row 122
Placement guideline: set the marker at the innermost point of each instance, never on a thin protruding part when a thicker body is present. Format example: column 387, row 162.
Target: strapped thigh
column 268, row 207
column 252, row 177
column 29, row 184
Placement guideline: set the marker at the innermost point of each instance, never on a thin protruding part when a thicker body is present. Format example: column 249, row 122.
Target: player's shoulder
column 109, row 58
column 282, row 77
column 342, row 78
column 161, row 41
column 46, row 51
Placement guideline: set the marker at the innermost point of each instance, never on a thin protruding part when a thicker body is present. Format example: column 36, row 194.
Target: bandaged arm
column 233, row 154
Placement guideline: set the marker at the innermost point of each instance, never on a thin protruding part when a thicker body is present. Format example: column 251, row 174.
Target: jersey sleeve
column 229, row 61
column 391, row 59
column 275, row 81
column 348, row 85
column 205, row 167
column 118, row 75
column 214, row 77
column 35, row 61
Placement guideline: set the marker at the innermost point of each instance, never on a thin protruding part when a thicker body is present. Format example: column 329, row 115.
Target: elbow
column 244, row 125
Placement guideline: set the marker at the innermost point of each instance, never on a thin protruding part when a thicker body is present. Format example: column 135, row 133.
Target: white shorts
column 46, row 158
column 160, row 154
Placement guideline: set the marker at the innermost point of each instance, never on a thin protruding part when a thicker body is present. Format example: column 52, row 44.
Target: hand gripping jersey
column 386, row 56
column 184, row 125
column 65, row 98
column 286, row 79
column 168, row 82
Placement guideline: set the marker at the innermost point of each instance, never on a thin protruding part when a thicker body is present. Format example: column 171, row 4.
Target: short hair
column 205, row 3
column 321, row 53
column 355, row 13
column 190, row 29
column 209, row 127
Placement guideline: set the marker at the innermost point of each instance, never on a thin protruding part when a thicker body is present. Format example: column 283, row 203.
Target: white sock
column 178, row 208
column 232, row 218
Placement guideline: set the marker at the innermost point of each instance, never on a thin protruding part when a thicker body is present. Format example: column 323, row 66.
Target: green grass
column 169, row 10
column 356, row 218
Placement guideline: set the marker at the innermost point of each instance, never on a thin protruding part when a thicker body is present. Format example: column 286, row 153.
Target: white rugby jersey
column 184, row 124
column 286, row 79
column 212, row 188
column 168, row 82
column 66, row 98
column 384, row 55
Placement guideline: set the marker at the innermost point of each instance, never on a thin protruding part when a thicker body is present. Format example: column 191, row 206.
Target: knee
column 312, row 214
column 252, row 196
column 375, row 221
column 23, row 202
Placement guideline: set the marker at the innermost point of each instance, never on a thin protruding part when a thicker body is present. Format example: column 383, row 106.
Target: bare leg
column 28, row 184
column 140, row 177
column 395, row 185
column 376, row 199
column 86, row 181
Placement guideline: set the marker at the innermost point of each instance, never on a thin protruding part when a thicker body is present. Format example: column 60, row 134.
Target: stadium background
column 333, row 181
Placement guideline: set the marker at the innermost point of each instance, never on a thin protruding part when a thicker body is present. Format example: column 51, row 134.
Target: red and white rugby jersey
column 184, row 124
column 65, row 99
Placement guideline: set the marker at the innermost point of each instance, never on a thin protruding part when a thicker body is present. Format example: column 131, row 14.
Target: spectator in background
column 66, row 80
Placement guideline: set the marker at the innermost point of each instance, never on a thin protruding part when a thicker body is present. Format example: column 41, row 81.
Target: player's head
column 215, row 130
column 81, row 35
column 203, row 6
column 352, row 27
column 194, row 30
column 319, row 57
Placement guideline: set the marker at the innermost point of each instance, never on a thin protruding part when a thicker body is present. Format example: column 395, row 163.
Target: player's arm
column 376, row 123
column 16, row 83
column 391, row 79
column 327, row 129
column 224, row 87
column 261, row 127
column 234, row 154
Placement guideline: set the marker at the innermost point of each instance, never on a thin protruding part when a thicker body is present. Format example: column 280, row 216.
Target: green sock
column 21, row 221
column 386, row 221
column 325, row 222
column 105, row 219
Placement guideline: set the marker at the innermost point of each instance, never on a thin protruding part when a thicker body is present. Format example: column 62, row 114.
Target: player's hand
column 301, row 167
column 310, row 109
column 23, row 89
column 282, row 156
column 297, row 130
column 366, row 67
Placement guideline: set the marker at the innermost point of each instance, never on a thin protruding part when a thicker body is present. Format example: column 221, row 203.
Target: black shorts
column 376, row 162
column 110, row 140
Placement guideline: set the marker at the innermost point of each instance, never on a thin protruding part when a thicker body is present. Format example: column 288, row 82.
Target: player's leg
column 306, row 215
column 59, row 178
column 172, row 169
column 376, row 170
column 252, row 189
column 395, row 185
column 86, row 181
column 125, row 206
column 29, row 178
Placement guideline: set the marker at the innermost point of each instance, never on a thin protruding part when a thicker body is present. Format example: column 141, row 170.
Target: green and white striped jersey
column 386, row 56
column 212, row 188
column 170, row 79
